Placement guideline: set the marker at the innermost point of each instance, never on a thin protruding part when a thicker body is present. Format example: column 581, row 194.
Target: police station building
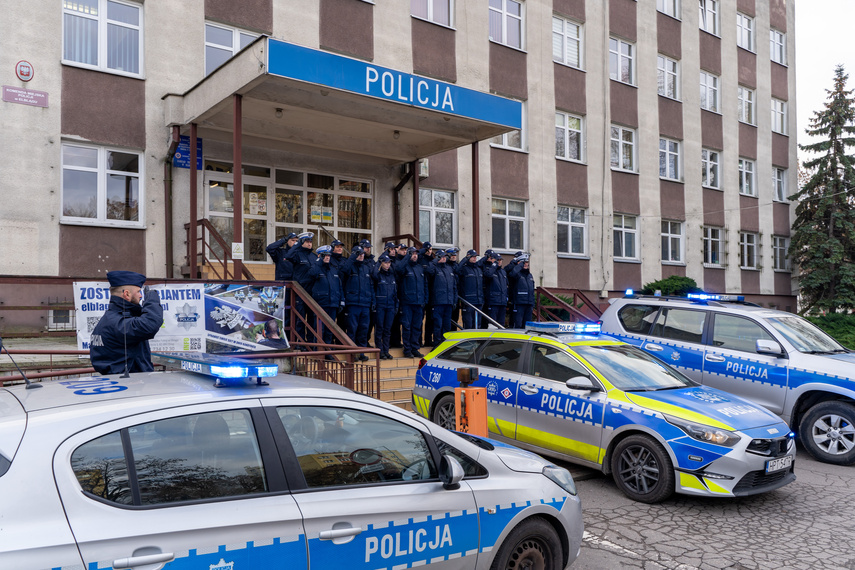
column 617, row 141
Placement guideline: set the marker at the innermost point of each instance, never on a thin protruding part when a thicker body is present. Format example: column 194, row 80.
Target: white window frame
column 508, row 218
column 714, row 244
column 671, row 151
column 102, row 172
column 672, row 243
column 669, row 8
column 668, row 68
column 780, row 246
column 616, row 56
column 620, row 230
column 779, row 116
column 778, row 46
column 430, row 15
column 432, row 209
column 102, row 50
column 236, row 41
column 779, row 184
column 564, row 119
column 572, row 224
column 745, row 31
column 749, row 250
column 710, row 92
column 564, row 35
column 623, row 146
column 745, row 108
column 747, row 181
column 505, row 15
column 710, row 164
column 505, row 140
column 709, row 16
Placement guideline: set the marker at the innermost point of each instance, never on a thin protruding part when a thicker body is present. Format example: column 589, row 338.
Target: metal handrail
column 409, row 237
column 560, row 304
column 480, row 312
column 208, row 253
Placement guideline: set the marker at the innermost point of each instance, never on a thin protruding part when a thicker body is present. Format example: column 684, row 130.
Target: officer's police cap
column 402, row 246
column 364, row 243
column 412, row 249
column 471, row 252
column 497, row 256
column 427, row 245
column 389, row 245
column 336, row 242
column 292, row 235
column 306, row 236
column 442, row 253
column 490, row 253
column 119, row 278
column 385, row 258
column 453, row 250
column 524, row 257
column 324, row 250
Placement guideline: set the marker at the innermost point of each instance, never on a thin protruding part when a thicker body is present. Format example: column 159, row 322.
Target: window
column 668, row 75
column 780, row 247
column 572, row 230
column 779, row 116
column 709, row 92
column 737, row 333
column 745, row 105
column 680, row 324
column 502, row 354
column 552, row 363
column 637, row 318
column 779, row 184
column 621, row 61
column 462, row 352
column 778, row 46
column 672, row 242
column 670, row 7
column 748, row 244
column 623, row 148
column 746, row 177
column 569, row 137
column 625, row 231
column 103, row 34
column 436, row 11
column 745, row 31
column 101, row 186
column 713, row 246
column 710, row 166
column 506, row 22
column 567, row 42
column 221, row 43
column 509, row 224
column 709, row 16
column 669, row 159
column 437, row 217
column 514, row 139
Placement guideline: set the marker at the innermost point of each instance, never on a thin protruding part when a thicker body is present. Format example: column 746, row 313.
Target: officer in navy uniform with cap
column 413, row 294
column 426, row 257
column 277, row 251
column 119, row 342
column 302, row 256
column 327, row 289
column 443, row 295
column 495, row 288
column 521, row 290
column 470, row 284
column 386, row 301
column 453, row 262
column 400, row 253
column 358, row 296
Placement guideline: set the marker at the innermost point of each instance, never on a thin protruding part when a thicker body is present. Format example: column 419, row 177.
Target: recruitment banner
column 213, row 318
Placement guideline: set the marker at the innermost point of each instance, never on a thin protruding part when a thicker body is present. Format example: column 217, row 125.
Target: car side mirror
column 768, row 347
column 450, row 472
column 575, row 384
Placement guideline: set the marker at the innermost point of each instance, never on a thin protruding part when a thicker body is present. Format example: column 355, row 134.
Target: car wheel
column 533, row 545
column 642, row 469
column 827, row 431
column 444, row 414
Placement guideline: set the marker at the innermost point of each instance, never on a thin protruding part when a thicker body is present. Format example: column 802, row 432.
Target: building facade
column 618, row 141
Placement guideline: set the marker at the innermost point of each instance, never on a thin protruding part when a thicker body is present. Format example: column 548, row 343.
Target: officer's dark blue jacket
column 470, row 282
column 326, row 289
column 521, row 285
column 337, row 260
column 495, row 285
column 385, row 289
column 284, row 268
column 123, row 333
column 412, row 286
column 443, row 283
column 424, row 259
column 358, row 287
column 302, row 258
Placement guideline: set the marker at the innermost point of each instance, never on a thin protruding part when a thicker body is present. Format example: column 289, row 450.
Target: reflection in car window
column 184, row 458
column 804, row 335
column 737, row 333
column 501, row 354
column 470, row 467
column 552, row 363
column 680, row 324
column 462, row 352
column 637, row 318
column 336, row 446
column 630, row 368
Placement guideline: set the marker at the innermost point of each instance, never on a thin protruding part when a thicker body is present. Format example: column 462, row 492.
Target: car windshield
column 805, row 336
column 631, row 369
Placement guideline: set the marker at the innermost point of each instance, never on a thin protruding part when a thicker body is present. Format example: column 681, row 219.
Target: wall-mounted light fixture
column 278, row 112
column 396, row 135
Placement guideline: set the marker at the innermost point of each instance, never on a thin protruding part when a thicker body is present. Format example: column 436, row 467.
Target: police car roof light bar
column 219, row 367
column 714, row 297
column 559, row 328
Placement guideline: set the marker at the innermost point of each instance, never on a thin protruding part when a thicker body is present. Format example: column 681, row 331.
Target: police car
column 168, row 470
column 562, row 390
column 774, row 358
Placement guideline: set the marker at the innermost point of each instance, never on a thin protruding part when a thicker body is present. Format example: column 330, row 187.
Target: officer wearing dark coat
column 443, row 294
column 426, row 257
column 452, row 262
column 119, row 342
column 277, row 251
column 495, row 287
column 326, row 287
column 371, row 262
column 358, row 297
column 470, row 284
column 413, row 295
column 395, row 338
column 302, row 257
column 521, row 290
column 386, row 301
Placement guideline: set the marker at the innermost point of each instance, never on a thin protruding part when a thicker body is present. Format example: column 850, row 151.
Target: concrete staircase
column 398, row 377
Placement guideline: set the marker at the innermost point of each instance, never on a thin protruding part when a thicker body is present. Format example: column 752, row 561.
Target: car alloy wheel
column 642, row 469
column 444, row 414
column 828, row 432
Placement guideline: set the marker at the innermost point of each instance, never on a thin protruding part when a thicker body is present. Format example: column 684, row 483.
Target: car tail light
column 422, row 362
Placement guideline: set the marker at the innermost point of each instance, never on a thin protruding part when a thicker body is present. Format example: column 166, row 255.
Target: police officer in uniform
column 119, row 342
column 358, row 296
column 326, row 288
column 495, row 288
column 470, row 284
column 277, row 251
column 452, row 262
column 521, row 290
column 443, row 294
column 395, row 337
column 411, row 281
column 302, row 257
column 386, row 301
column 426, row 257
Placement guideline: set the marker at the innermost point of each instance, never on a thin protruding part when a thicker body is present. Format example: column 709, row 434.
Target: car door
column 498, row 370
column 553, row 416
column 677, row 338
column 368, row 487
column 731, row 362
column 188, row 487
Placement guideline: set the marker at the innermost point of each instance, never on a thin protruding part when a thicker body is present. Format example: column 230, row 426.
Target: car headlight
column 560, row 477
column 707, row 434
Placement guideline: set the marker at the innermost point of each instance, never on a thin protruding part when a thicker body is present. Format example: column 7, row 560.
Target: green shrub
column 839, row 326
column 675, row 285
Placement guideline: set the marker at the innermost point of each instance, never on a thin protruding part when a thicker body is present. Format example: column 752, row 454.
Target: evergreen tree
column 823, row 241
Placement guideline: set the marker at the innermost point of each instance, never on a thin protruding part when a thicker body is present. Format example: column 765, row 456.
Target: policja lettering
column 567, row 406
column 401, row 544
column 389, row 87
column 747, row 370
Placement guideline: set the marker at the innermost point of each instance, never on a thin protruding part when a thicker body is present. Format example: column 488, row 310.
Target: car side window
column 552, row 363
column 462, row 351
column 184, row 458
column 471, row 468
column 502, row 354
column 737, row 333
column 337, row 447
column 680, row 325
column 637, row 318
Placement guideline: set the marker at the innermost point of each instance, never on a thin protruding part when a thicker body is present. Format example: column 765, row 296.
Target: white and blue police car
column 170, row 470
column 773, row 358
column 563, row 390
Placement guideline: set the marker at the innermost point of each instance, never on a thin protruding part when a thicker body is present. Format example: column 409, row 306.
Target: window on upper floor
column 713, row 246
column 672, row 242
column 747, row 187
column 710, row 161
column 670, row 7
column 515, row 140
column 506, row 22
column 780, row 246
column 745, row 105
column 622, row 149
column 669, row 159
column 625, row 234
column 572, row 230
column 622, row 61
column 779, row 184
column 709, row 92
column 745, row 31
column 437, row 11
column 567, row 42
column 105, row 35
column 509, row 224
column 668, row 75
column 749, row 244
column 709, row 18
column 222, row 42
column 569, row 136
column 779, row 116
column 778, row 46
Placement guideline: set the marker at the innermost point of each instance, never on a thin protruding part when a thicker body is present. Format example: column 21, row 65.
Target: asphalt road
column 807, row 524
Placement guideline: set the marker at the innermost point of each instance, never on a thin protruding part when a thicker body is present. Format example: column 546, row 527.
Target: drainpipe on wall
column 167, row 197
column 397, row 193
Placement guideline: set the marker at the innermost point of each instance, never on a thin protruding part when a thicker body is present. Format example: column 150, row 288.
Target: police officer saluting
column 386, row 301
column 413, row 288
column 358, row 296
column 521, row 289
column 495, row 287
column 119, row 341
column 277, row 251
column 326, row 288
column 443, row 294
column 302, row 256
column 470, row 283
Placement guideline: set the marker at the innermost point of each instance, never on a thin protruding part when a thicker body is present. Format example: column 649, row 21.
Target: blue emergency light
column 217, row 366
column 559, row 328
column 713, row 297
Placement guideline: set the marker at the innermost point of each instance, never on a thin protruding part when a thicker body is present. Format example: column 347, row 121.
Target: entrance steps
column 398, row 377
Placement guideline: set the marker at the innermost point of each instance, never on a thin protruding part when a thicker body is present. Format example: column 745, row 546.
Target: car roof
column 723, row 306
column 522, row 334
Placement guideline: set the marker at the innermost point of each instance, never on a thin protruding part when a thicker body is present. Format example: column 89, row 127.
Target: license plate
column 780, row 463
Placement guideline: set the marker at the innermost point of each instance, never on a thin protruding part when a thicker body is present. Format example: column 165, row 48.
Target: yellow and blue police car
column 563, row 390
column 171, row 470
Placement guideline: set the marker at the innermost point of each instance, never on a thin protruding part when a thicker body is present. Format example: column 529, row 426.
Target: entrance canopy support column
column 194, row 189
column 414, row 166
column 476, row 198
column 237, row 142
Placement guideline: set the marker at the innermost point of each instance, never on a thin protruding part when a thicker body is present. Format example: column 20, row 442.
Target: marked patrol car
column 562, row 390
column 774, row 358
column 166, row 470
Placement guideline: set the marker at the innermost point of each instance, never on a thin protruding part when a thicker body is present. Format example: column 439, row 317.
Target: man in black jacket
column 302, row 257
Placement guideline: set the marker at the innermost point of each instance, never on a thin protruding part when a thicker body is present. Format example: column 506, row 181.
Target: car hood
column 847, row 358
column 13, row 420
column 707, row 406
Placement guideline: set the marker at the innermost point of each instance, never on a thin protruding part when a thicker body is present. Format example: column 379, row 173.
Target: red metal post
column 194, row 189
column 237, row 142
column 414, row 167
column 476, row 198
